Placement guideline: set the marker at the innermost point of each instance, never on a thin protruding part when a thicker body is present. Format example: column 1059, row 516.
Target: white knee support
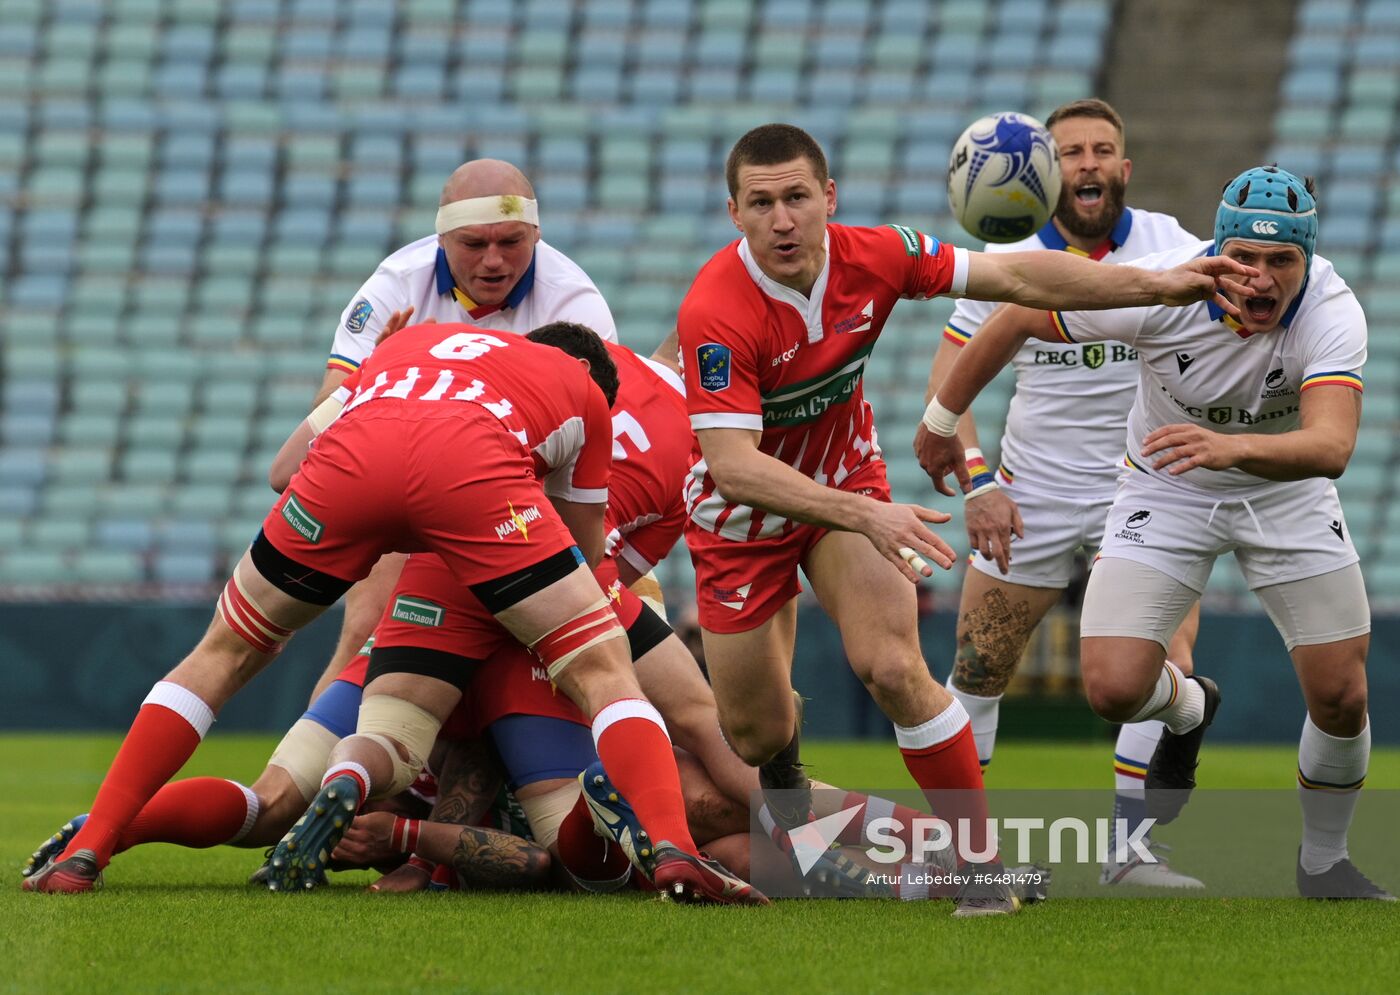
column 393, row 723
column 304, row 754
column 595, row 624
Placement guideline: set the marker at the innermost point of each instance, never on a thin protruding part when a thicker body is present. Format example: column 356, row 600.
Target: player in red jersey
column 774, row 336
column 424, row 457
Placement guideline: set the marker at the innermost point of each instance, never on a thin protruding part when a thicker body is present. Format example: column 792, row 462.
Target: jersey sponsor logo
column 784, row 357
column 732, row 597
column 417, row 611
column 301, row 520
column 857, row 322
column 1223, row 415
column 1336, row 527
column 518, row 522
column 1220, row 416
column 1093, row 355
column 1262, row 227
column 715, row 361
column 359, row 314
column 1183, row 360
column 794, row 404
column 913, row 244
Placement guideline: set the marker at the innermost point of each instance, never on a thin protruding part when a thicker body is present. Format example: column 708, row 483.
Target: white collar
column 810, row 308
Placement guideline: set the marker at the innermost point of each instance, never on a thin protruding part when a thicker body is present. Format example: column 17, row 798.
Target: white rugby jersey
column 1064, row 430
column 1199, row 366
column 554, row 288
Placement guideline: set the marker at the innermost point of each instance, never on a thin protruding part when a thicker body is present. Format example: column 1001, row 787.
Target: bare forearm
column 760, row 481
column 978, row 364
column 486, row 859
column 943, row 362
column 1056, row 280
column 1295, row 455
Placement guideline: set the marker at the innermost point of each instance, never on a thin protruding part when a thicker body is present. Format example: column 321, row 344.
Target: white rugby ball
column 1004, row 177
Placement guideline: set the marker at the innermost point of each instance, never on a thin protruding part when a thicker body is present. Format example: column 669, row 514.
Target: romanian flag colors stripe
column 1340, row 378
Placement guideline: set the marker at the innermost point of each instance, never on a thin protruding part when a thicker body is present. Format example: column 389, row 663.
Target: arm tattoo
column 468, row 784
column 493, row 860
column 990, row 645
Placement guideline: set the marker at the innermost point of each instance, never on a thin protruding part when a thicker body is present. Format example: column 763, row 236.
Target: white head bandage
column 487, row 211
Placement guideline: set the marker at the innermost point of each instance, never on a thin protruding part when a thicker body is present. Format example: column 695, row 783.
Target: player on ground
column 486, row 265
column 424, row 457
column 774, row 335
column 1239, row 426
column 1060, row 459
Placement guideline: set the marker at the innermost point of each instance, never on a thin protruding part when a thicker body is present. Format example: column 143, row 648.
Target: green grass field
column 180, row 920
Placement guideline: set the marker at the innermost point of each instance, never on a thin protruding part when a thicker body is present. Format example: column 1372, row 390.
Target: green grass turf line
column 181, row 920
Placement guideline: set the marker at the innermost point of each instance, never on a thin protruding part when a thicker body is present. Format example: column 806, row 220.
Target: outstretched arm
column 1064, row 281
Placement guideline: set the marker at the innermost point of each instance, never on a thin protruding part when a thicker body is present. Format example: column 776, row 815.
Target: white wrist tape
column 982, row 489
column 939, row 420
column 487, row 211
column 324, row 413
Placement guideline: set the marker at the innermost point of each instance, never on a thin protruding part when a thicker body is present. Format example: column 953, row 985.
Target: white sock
column 983, row 713
column 1330, row 773
column 1137, row 741
column 252, row 815
column 1178, row 702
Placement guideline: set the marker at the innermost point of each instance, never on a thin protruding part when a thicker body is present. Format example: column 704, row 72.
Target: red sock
column 875, row 807
column 165, row 734
column 200, row 812
column 591, row 860
column 636, row 752
column 353, row 771
column 942, row 758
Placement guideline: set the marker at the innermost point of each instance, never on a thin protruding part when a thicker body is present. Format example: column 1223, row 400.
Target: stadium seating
column 190, row 193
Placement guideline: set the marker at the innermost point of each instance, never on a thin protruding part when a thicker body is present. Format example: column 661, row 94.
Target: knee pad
column 595, row 624
column 304, row 754
column 247, row 619
column 546, row 812
column 393, row 723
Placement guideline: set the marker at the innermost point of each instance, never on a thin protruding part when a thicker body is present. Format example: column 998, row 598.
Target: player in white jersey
column 1060, row 457
column 1238, row 429
column 486, row 265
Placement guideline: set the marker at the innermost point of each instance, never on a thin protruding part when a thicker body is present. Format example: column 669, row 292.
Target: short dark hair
column 1088, row 107
column 770, row 144
column 582, row 342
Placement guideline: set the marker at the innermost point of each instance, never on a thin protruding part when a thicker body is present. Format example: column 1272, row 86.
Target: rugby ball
column 1004, row 177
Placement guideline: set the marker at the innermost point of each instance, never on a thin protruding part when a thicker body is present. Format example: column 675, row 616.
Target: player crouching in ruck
column 1243, row 417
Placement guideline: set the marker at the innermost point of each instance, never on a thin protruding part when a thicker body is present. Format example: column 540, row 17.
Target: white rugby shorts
column 1056, row 527
column 1284, row 532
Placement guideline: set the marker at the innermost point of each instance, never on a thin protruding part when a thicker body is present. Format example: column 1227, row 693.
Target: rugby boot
column 786, row 789
column 1171, row 774
column 259, row 877
column 52, row 847
column 298, row 862
column 1341, row 880
column 73, row 876
column 1139, row 873
column 985, row 892
column 614, row 818
column 692, row 880
column 1030, row 883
